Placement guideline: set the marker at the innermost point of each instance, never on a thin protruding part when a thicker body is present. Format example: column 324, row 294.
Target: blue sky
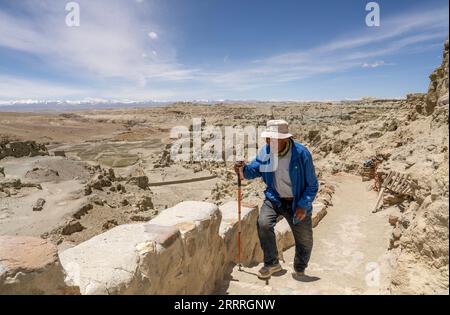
column 218, row 49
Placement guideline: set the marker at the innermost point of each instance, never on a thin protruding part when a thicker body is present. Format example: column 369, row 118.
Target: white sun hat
column 276, row 129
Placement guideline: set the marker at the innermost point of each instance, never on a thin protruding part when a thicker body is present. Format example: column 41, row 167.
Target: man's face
column 276, row 144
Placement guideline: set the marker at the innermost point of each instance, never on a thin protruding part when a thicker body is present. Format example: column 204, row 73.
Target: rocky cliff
column 423, row 253
column 411, row 138
column 438, row 89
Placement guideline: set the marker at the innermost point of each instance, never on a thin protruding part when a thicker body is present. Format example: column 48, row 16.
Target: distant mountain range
column 29, row 105
column 71, row 105
column 64, row 105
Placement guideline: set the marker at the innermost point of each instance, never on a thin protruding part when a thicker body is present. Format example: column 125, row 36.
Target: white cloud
column 112, row 44
column 13, row 88
column 153, row 35
column 376, row 64
column 100, row 48
column 399, row 34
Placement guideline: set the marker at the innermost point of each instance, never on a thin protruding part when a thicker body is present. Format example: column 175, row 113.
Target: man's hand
column 239, row 168
column 300, row 213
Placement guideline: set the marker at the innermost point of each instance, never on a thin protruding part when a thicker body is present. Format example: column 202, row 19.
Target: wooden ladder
column 397, row 183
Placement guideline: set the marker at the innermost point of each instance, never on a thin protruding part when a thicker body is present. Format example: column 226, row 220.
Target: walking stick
column 239, row 221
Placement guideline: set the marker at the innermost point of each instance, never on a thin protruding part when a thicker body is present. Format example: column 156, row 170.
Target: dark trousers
column 302, row 231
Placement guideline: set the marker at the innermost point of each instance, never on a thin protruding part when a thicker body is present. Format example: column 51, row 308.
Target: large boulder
column 30, row 265
column 109, row 263
column 175, row 253
column 319, row 212
column 199, row 269
column 250, row 249
column 285, row 238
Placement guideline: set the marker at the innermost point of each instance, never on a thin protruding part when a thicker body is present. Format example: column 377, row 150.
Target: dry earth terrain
column 69, row 176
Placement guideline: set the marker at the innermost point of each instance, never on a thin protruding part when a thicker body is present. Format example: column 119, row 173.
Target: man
column 291, row 188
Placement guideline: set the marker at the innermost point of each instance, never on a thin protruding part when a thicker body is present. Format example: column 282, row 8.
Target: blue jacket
column 301, row 171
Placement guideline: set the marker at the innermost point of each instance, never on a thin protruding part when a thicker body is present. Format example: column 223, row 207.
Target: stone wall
column 186, row 249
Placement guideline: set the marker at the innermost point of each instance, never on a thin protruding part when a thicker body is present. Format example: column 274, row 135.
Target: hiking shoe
column 266, row 271
column 298, row 275
column 302, row 277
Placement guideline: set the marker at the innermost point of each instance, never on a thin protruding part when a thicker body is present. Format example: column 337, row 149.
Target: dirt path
column 349, row 255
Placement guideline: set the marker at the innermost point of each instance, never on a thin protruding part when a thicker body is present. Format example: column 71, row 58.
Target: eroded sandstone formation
column 21, row 148
column 422, row 232
column 30, row 265
column 438, row 89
